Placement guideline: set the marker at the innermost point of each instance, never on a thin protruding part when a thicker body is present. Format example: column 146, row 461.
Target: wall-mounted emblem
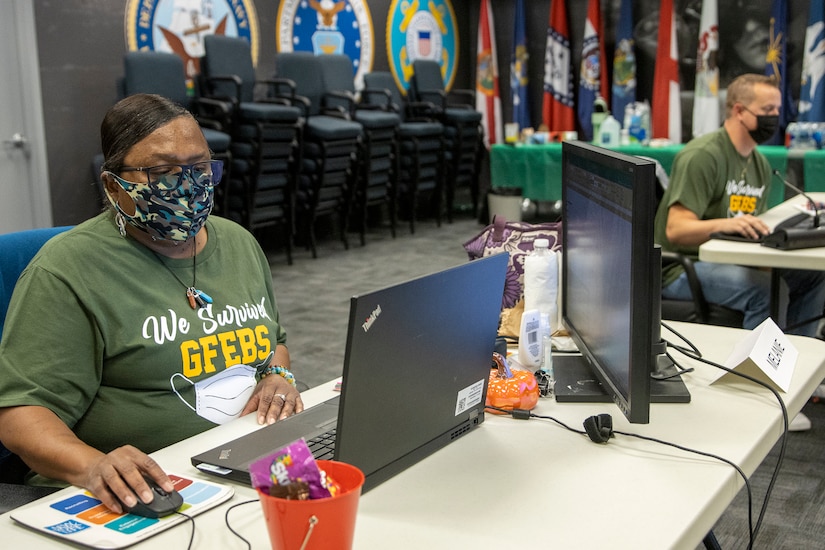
column 178, row 26
column 327, row 27
column 422, row 29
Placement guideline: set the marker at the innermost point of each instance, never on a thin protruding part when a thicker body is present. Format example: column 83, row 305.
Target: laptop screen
column 417, row 363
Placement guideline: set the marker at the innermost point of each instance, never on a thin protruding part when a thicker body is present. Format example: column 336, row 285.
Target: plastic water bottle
column 609, row 132
column 541, row 281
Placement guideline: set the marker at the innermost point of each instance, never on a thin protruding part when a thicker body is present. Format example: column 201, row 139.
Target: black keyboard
column 322, row 446
column 797, row 221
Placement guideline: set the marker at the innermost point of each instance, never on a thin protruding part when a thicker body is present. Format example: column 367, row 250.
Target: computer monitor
column 611, row 276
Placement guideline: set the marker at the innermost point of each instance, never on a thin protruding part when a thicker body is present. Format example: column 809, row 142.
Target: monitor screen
column 611, row 269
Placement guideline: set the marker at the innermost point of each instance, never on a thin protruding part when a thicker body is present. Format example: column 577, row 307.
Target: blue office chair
column 16, row 251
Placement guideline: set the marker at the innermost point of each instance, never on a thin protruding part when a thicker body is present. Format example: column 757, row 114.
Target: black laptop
column 416, row 367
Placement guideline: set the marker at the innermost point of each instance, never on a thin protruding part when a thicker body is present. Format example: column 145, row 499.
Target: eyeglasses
column 768, row 113
column 168, row 177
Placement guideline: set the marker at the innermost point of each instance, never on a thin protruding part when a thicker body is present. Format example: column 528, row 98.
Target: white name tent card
column 765, row 354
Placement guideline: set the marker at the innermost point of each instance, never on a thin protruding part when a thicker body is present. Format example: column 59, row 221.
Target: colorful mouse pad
column 77, row 517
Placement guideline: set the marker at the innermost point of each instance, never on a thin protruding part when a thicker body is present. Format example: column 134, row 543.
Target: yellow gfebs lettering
column 228, row 347
column 191, row 359
column 245, row 345
column 262, row 335
column 209, row 347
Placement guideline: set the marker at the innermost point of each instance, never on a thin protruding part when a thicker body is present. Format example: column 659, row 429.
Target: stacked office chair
column 163, row 74
column 421, row 147
column 16, row 251
column 266, row 139
column 463, row 132
column 330, row 148
column 375, row 182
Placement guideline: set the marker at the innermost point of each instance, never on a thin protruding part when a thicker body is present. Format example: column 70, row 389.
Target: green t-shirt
column 711, row 179
column 98, row 326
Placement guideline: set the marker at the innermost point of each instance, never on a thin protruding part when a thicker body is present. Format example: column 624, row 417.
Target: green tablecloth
column 536, row 169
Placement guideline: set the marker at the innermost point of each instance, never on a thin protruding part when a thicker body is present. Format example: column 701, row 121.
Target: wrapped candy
column 292, row 473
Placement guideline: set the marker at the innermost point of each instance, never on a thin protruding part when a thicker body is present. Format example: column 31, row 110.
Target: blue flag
column 518, row 71
column 776, row 64
column 624, row 62
column 593, row 74
column 812, row 92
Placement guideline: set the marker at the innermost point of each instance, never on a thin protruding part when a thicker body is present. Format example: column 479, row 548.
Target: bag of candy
column 292, row 473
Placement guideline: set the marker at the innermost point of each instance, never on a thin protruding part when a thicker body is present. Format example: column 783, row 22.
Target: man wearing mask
column 719, row 183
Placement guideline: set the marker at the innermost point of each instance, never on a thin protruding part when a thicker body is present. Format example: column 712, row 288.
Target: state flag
column 488, row 99
column 624, row 62
column 812, row 92
column 593, row 74
column 518, row 70
column 706, row 91
column 666, row 108
column 557, row 104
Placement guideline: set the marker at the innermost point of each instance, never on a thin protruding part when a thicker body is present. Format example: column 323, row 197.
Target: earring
column 121, row 224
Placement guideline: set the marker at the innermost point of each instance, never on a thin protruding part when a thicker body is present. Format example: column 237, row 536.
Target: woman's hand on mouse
column 118, row 476
column 274, row 398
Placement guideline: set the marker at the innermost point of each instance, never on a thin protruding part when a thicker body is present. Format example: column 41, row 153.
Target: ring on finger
column 282, row 396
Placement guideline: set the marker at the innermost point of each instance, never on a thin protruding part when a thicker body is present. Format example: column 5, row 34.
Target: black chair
column 377, row 170
column 266, row 139
column 330, row 148
column 463, row 132
column 421, row 147
column 698, row 309
column 163, row 74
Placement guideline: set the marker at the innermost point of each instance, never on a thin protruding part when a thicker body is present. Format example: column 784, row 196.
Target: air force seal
column 328, row 27
column 178, row 26
column 422, row 30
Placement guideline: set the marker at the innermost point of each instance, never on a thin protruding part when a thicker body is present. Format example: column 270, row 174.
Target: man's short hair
column 741, row 89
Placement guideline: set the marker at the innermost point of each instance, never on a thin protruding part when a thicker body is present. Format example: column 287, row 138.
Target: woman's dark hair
column 129, row 121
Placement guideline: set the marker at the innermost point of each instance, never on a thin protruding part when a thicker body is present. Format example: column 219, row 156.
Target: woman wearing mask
column 144, row 325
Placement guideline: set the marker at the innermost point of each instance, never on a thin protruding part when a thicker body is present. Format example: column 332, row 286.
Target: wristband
column 280, row 371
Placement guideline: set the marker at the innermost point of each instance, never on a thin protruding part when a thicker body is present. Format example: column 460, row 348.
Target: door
column 24, row 182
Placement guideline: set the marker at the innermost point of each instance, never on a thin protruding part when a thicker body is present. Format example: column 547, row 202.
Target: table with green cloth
column 536, row 169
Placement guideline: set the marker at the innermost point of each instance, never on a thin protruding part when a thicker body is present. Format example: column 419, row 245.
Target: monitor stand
column 576, row 383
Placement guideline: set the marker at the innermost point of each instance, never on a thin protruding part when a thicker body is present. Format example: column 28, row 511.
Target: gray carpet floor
column 313, row 297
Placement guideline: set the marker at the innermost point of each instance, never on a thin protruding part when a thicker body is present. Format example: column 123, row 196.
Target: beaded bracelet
column 281, row 371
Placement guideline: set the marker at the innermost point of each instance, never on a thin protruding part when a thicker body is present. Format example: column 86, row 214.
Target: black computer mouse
column 161, row 505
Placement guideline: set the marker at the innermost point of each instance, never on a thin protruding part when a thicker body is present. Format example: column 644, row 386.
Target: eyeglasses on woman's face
column 169, row 177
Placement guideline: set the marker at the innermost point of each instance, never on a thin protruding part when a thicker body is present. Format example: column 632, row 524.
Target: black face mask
column 766, row 126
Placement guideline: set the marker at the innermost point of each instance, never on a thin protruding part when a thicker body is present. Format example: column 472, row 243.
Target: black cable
column 783, row 438
column 691, row 346
column 523, row 415
column 192, row 533
column 226, row 520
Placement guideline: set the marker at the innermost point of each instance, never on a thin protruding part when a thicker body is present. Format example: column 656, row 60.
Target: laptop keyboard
column 323, row 445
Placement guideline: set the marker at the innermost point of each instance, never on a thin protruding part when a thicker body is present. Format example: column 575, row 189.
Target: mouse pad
column 75, row 516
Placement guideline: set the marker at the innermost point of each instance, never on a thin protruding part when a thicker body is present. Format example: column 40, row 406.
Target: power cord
column 192, row 532
column 228, row 526
column 691, row 351
column 521, row 414
column 783, row 438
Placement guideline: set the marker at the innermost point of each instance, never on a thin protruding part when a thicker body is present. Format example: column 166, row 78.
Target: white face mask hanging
column 222, row 397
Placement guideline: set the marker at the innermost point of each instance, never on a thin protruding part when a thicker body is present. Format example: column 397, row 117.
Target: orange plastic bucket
column 320, row 524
